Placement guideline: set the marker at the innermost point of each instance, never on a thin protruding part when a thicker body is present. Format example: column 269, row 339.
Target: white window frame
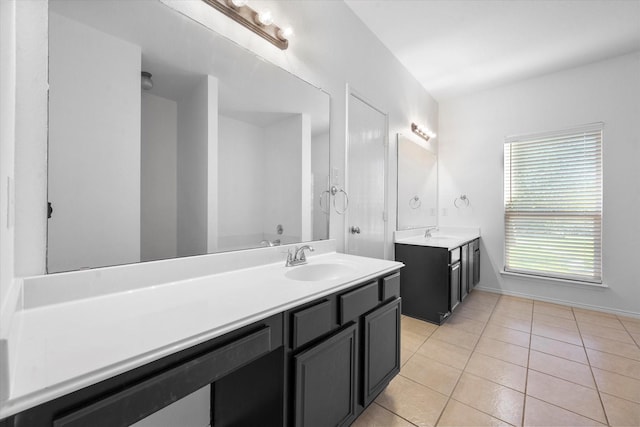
column 550, row 275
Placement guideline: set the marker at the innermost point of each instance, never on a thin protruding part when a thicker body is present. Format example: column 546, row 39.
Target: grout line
column 526, row 379
column 604, row 411
column 397, row 415
column 465, row 368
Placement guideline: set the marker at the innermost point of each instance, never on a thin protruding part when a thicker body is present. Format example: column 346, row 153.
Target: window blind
column 553, row 204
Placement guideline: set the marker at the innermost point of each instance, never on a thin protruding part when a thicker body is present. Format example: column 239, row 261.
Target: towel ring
column 415, row 202
column 332, row 192
column 335, row 190
column 462, row 201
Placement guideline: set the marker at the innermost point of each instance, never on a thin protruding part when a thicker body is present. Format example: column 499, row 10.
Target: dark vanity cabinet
column 341, row 371
column 319, row 364
column 435, row 280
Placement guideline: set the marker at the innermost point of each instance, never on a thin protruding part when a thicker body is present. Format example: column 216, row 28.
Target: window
column 553, row 204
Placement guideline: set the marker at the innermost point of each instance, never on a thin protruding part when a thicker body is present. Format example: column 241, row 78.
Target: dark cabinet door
column 464, row 272
column 476, row 266
column 325, row 384
column 454, row 285
column 381, row 349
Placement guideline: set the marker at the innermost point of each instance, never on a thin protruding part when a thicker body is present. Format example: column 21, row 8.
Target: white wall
column 320, row 172
column 472, row 132
column 197, row 160
column 287, row 179
column 94, row 147
column 242, row 190
column 158, row 183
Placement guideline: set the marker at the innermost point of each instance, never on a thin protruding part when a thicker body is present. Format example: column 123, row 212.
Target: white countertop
column 63, row 347
column 443, row 237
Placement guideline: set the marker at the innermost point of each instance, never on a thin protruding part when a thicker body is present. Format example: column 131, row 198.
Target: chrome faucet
column 297, row 255
column 427, row 232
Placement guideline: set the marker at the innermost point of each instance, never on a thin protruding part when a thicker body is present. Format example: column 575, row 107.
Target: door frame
column 350, row 91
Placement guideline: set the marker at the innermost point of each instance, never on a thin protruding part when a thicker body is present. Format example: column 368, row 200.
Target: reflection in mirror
column 417, row 184
column 224, row 152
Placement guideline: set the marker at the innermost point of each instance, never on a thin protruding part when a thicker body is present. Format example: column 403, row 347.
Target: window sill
column 555, row 280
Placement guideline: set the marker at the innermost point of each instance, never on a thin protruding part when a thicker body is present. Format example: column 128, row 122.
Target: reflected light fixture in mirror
column 260, row 22
column 422, row 131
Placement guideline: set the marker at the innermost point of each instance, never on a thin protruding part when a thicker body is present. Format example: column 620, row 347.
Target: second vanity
column 306, row 345
column 441, row 268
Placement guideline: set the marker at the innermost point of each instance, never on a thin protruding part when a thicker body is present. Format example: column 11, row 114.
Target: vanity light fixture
column 422, row 132
column 260, row 23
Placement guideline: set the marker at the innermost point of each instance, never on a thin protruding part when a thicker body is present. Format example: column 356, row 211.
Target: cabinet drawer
column 310, row 323
column 390, row 287
column 454, row 255
column 357, row 302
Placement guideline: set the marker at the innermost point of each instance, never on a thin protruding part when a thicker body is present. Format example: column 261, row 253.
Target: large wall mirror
column 224, row 152
column 417, row 184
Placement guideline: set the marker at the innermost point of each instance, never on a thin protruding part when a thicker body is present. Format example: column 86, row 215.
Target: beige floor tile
column 405, row 355
column 419, row 327
column 412, row 401
column 630, row 324
column 473, row 313
column 617, row 385
column 466, row 324
column 561, row 368
column 502, row 310
column 499, row 371
column 504, row 351
column 539, row 413
column 598, row 319
column 515, row 298
column 478, row 304
column 593, row 312
column 377, row 416
column 446, row 353
column 611, row 346
column 523, row 325
column 611, row 362
column 459, row 414
column 556, row 310
column 602, row 331
column 494, row 399
column 636, row 338
column 621, row 412
column 558, row 348
column 556, row 333
column 411, row 340
column 556, row 322
column 520, row 306
column 582, row 400
column 456, row 336
column 507, row 335
column 435, row 375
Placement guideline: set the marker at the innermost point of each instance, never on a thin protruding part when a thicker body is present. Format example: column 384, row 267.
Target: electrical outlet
column 445, row 211
column 335, row 175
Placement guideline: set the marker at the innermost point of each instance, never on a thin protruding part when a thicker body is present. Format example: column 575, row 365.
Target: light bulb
column 265, row 18
column 145, row 80
column 285, row 33
column 239, row 3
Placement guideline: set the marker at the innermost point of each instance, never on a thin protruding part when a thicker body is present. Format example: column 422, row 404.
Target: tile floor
column 503, row 360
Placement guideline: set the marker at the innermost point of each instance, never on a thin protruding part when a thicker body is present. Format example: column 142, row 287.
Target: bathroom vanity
column 306, row 345
column 440, row 270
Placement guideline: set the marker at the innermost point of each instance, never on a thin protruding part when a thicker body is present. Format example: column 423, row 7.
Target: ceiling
column 454, row 47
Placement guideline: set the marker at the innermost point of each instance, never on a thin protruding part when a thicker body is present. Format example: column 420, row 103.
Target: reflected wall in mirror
column 417, row 184
column 224, row 152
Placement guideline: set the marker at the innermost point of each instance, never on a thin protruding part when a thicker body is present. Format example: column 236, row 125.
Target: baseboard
column 560, row 302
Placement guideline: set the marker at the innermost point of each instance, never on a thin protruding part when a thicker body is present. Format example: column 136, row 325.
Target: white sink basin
column 318, row 272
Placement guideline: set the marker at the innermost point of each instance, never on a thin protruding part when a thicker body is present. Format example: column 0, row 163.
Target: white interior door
column 366, row 179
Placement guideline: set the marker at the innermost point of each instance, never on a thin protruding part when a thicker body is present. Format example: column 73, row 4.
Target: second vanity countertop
column 66, row 346
column 444, row 237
